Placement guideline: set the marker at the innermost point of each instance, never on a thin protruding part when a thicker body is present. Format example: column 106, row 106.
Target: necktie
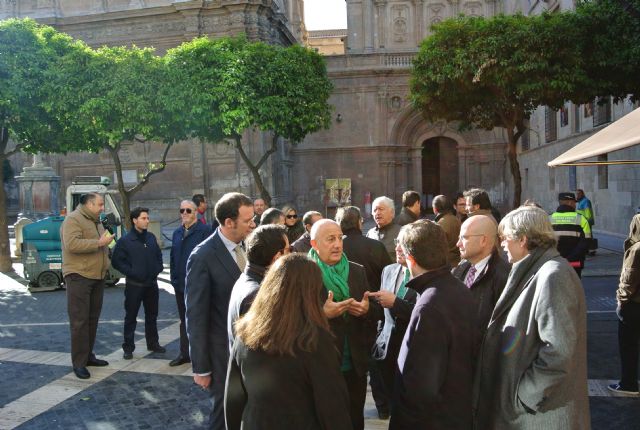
column 240, row 258
column 471, row 276
column 402, row 290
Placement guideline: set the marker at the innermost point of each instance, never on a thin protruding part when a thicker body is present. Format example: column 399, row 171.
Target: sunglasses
column 292, row 216
column 187, row 210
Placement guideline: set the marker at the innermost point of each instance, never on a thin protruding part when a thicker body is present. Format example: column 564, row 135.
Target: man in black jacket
column 373, row 256
column 264, row 246
column 346, row 283
column 433, row 388
column 482, row 269
column 138, row 256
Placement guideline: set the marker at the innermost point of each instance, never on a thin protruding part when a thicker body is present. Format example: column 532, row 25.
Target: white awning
column 622, row 134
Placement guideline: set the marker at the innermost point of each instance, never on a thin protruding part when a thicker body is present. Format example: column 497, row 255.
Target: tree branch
column 146, row 176
column 266, row 155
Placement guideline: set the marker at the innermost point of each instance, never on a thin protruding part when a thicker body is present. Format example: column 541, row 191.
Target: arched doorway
column 439, row 168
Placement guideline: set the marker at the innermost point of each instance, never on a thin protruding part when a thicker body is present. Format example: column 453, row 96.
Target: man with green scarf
column 348, row 309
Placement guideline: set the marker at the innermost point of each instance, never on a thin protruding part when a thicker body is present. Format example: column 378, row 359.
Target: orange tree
column 494, row 72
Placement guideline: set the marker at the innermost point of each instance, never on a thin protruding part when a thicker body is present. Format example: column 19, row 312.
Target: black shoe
column 82, row 372
column 128, row 355
column 156, row 348
column 179, row 360
column 93, row 361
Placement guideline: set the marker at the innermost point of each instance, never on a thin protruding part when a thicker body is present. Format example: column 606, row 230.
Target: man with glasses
column 185, row 238
column 482, row 269
column 264, row 246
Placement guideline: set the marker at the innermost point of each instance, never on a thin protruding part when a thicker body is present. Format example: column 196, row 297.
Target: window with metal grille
column 550, row 124
column 602, row 111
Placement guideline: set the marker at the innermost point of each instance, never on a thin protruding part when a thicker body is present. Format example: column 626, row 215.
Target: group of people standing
column 282, row 322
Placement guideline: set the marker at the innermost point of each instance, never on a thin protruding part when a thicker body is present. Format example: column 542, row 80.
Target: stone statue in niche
column 396, row 103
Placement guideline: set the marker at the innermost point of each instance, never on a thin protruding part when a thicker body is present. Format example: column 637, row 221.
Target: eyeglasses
column 467, row 236
column 294, row 216
column 396, row 241
column 187, row 210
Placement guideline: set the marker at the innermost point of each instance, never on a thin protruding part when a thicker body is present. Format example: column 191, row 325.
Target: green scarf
column 334, row 277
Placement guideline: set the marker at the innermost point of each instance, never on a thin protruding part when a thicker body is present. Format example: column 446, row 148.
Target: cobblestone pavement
column 38, row 390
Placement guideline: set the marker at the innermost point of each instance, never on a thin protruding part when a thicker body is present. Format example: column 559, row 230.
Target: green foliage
column 29, row 55
column 110, row 95
column 227, row 85
column 610, row 32
column 493, row 72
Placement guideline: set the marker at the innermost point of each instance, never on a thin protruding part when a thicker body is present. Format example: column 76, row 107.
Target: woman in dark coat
column 293, row 222
column 284, row 370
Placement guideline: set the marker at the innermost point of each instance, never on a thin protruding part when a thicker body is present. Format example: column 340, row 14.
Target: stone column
column 381, row 18
column 39, row 188
column 369, row 26
column 355, row 39
column 418, row 20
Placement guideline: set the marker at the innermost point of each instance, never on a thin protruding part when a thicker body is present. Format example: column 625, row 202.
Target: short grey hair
column 189, row 202
column 530, row 222
column 385, row 201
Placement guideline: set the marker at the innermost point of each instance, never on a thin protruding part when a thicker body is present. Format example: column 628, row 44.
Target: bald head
column 321, row 226
column 478, row 238
column 326, row 239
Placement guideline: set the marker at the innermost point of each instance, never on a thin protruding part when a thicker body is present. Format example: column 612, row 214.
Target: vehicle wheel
column 48, row 279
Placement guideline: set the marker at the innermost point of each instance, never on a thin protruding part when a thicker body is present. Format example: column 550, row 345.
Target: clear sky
column 325, row 14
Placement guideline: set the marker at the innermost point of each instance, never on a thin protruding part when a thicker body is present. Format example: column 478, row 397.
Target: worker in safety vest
column 572, row 231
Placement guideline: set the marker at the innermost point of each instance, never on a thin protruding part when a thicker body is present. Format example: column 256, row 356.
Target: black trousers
column 84, row 304
column 134, row 296
column 184, row 340
column 381, row 396
column 357, row 388
column 387, row 373
column 628, row 338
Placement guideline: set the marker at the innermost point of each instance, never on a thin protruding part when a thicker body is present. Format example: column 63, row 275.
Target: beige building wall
column 327, row 42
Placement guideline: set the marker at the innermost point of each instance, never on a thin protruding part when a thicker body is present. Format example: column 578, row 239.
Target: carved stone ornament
column 400, row 23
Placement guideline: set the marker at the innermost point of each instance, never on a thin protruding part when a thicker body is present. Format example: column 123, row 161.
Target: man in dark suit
column 212, row 269
column 482, row 269
column 349, row 315
column 185, row 238
column 373, row 256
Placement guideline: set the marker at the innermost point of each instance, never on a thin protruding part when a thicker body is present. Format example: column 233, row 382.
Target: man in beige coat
column 85, row 260
column 445, row 218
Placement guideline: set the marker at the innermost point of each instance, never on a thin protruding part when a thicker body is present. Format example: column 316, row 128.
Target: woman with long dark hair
column 284, row 371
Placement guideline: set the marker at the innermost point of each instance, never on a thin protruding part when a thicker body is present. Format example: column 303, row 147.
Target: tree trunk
column 514, row 166
column 255, row 169
column 6, row 265
column 124, row 195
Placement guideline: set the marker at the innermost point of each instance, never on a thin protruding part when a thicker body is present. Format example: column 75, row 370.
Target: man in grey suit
column 212, row 269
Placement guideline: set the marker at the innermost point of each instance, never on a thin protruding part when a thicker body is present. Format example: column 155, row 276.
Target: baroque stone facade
column 376, row 140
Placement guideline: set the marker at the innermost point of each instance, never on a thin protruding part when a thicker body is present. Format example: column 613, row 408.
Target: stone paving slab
column 19, row 379
column 135, row 401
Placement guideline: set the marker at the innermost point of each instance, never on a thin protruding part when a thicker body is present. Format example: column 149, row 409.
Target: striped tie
column 471, row 276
